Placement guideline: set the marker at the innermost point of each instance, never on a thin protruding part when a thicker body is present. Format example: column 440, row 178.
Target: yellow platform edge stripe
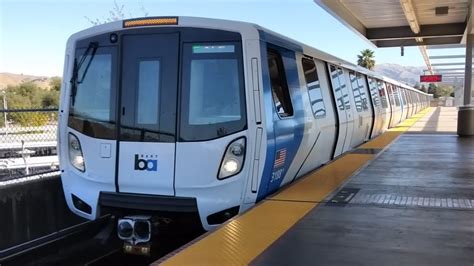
column 241, row 240
column 315, row 186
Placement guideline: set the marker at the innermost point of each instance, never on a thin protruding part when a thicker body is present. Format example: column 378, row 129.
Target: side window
column 390, row 94
column 382, row 94
column 396, row 95
column 356, row 91
column 344, row 88
column 314, row 88
column 373, row 91
column 363, row 96
column 405, row 100
column 339, row 86
column 336, row 87
column 281, row 95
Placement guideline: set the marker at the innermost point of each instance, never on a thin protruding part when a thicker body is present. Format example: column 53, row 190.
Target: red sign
column 430, row 78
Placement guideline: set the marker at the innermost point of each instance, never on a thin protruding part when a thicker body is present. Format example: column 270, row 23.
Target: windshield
column 213, row 94
column 91, row 109
column 161, row 85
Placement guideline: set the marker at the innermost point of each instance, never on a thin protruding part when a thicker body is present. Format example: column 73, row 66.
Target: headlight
column 75, row 153
column 233, row 159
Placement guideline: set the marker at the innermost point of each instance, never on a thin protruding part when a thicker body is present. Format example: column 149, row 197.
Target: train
column 167, row 120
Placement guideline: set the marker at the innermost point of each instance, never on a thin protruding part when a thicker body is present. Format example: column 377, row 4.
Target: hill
column 406, row 74
column 10, row 79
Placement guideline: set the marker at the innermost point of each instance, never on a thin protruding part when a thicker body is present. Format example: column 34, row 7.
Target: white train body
column 204, row 118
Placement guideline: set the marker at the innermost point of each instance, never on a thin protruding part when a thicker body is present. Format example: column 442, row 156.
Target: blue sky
column 33, row 33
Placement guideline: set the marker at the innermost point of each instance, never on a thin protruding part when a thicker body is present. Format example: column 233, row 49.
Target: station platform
column 404, row 198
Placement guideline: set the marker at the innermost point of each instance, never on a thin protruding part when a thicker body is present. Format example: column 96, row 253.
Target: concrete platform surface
column 414, row 205
column 438, row 120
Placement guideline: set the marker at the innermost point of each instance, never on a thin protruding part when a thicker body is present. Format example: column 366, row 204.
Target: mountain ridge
column 406, row 74
column 12, row 79
column 409, row 75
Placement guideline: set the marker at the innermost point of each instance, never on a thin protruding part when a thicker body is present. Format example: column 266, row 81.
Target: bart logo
column 145, row 165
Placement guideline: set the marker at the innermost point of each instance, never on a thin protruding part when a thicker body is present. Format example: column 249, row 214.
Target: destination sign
column 430, row 78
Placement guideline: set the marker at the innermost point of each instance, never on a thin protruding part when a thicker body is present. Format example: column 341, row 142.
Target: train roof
column 249, row 28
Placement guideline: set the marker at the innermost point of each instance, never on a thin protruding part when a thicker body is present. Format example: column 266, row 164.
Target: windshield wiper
column 92, row 49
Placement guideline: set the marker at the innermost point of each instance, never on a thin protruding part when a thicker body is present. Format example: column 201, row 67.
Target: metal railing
column 27, row 142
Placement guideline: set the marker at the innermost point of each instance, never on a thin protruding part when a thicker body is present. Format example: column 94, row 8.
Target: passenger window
column 396, row 95
column 344, row 88
column 383, row 96
column 281, row 95
column 373, row 91
column 314, row 88
column 339, row 87
column 404, row 96
column 356, row 91
column 390, row 94
column 363, row 96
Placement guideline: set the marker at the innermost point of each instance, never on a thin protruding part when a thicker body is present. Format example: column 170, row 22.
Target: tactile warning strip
column 400, row 200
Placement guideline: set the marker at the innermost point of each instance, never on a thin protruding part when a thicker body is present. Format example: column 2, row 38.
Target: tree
column 443, row 91
column 116, row 13
column 423, row 88
column 50, row 99
column 55, row 83
column 440, row 90
column 366, row 59
column 432, row 89
column 30, row 96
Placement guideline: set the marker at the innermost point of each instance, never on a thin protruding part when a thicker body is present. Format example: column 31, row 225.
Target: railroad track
column 90, row 243
column 53, row 247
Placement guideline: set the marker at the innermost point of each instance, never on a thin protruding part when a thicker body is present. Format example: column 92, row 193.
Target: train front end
column 153, row 123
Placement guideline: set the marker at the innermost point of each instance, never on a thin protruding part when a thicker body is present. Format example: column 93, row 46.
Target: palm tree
column 366, row 59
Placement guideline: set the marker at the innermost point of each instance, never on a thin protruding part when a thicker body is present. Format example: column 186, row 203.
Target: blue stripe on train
column 269, row 112
column 286, row 133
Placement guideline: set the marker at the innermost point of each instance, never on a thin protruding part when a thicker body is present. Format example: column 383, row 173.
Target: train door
column 148, row 97
column 281, row 75
column 368, row 108
column 339, row 89
column 408, row 99
column 398, row 102
column 362, row 113
column 385, row 103
column 403, row 103
column 319, row 110
column 418, row 102
column 395, row 117
column 410, row 103
column 376, row 107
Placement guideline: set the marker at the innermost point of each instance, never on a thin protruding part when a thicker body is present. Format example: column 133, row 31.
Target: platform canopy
column 392, row 23
column 428, row 24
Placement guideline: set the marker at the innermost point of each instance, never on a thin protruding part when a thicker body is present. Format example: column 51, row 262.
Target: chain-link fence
column 27, row 142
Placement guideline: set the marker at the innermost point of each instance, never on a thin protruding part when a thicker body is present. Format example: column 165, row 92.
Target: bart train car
column 170, row 117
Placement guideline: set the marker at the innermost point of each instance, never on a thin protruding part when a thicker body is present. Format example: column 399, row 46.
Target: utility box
column 466, row 121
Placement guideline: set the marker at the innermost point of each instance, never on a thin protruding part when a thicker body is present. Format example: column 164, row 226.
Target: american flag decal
column 280, row 158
